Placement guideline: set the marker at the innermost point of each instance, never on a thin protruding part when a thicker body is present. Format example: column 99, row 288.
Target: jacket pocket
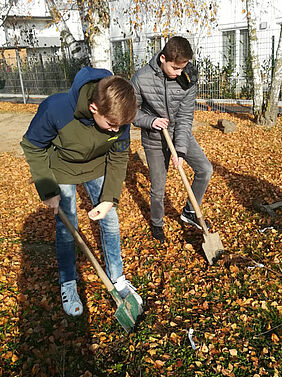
column 154, row 135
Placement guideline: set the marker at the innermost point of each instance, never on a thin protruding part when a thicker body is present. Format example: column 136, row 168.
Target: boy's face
column 101, row 121
column 172, row 69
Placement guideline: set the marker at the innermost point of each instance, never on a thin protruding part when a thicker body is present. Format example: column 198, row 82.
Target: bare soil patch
column 12, row 128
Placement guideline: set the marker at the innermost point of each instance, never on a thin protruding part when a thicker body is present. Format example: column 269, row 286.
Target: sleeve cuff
column 53, row 189
column 180, row 154
column 115, row 201
column 151, row 125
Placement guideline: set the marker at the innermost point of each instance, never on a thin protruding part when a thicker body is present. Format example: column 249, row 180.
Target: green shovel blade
column 128, row 310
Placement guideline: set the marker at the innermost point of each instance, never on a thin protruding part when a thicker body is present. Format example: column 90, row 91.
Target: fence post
column 272, row 55
column 20, row 74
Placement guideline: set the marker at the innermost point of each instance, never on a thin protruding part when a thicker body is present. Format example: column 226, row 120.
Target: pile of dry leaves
column 199, row 320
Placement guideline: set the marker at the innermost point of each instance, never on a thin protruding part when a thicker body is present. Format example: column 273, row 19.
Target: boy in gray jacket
column 166, row 90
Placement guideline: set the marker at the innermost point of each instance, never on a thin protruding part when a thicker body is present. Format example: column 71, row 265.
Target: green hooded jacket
column 64, row 145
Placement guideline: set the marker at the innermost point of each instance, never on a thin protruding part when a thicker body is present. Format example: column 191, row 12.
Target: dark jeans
column 158, row 161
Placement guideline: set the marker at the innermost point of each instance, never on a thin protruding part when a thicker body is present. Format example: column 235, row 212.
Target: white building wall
column 231, row 16
column 46, row 33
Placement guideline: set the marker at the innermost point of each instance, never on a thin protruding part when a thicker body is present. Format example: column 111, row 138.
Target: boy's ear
column 162, row 58
column 93, row 108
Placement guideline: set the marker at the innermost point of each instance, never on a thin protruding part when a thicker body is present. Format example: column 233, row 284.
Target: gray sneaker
column 70, row 298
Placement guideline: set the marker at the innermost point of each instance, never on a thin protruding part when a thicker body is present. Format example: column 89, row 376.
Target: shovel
column 128, row 308
column 212, row 244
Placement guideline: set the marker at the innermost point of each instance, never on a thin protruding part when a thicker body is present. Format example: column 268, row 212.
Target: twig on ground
column 266, row 332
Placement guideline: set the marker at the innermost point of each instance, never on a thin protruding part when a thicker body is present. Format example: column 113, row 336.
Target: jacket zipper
column 166, row 104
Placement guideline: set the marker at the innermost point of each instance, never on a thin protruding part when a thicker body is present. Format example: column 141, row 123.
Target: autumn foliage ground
column 234, row 310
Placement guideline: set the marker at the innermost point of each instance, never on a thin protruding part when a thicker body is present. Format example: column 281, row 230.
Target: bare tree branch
column 5, row 10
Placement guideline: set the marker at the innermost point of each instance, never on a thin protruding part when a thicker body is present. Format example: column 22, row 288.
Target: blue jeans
column 158, row 162
column 109, row 232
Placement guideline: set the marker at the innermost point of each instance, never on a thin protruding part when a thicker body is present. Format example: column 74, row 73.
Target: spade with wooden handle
column 128, row 309
column 212, row 244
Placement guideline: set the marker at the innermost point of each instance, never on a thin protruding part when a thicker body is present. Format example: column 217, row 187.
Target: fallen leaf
column 233, row 352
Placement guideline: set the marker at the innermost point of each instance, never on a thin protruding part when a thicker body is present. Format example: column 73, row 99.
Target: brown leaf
column 159, row 363
column 233, row 352
column 275, row 338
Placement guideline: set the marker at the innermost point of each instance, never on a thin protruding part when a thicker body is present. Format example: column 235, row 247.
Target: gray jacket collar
column 155, row 65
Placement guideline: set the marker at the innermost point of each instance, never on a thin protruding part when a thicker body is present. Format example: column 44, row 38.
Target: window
column 122, row 58
column 28, row 35
column 120, row 48
column 229, row 48
column 244, row 49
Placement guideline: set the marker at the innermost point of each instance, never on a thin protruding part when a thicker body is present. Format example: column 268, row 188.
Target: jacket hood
column 82, row 111
column 84, row 76
column 156, row 64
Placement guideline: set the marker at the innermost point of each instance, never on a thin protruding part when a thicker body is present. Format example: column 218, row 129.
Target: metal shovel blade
column 128, row 310
column 212, row 247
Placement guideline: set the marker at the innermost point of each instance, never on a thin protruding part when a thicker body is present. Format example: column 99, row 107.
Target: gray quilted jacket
column 161, row 97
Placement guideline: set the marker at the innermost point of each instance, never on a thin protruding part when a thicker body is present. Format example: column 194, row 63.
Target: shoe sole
column 183, row 218
column 76, row 314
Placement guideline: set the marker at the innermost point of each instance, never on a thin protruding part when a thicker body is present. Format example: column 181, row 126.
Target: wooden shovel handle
column 186, row 183
column 101, row 273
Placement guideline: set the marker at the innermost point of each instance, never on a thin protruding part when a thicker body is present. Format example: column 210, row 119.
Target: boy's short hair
column 115, row 99
column 177, row 49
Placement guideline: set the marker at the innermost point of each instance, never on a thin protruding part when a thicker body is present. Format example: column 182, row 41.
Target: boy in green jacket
column 82, row 137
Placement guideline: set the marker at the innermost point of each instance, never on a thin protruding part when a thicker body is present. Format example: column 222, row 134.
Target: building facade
column 221, row 48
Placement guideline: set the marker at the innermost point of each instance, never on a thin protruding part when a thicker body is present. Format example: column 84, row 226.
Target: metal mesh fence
column 223, row 62
column 32, row 75
column 225, row 73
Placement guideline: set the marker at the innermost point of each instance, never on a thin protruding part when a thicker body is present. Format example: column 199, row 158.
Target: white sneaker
column 70, row 299
column 124, row 288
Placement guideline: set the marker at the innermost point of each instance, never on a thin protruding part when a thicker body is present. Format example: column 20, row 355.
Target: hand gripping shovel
column 128, row 309
column 212, row 245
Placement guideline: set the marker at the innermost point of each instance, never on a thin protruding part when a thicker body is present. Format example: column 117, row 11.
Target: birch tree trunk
column 251, row 6
column 271, row 109
column 100, row 48
column 77, row 50
column 95, row 20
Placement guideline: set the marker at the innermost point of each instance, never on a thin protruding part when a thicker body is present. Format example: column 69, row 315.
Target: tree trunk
column 269, row 116
column 100, row 48
column 95, row 21
column 253, row 39
column 76, row 49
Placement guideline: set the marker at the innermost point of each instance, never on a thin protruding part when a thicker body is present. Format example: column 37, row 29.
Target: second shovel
column 212, row 244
